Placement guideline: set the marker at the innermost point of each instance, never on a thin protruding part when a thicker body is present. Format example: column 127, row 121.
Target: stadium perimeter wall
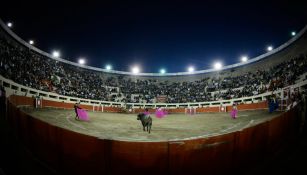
column 69, row 152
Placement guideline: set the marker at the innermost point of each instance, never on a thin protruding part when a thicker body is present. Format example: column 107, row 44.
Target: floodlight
column 269, row 48
column 135, row 70
column 162, row 71
column 293, row 33
column 81, row 61
column 56, row 54
column 217, row 65
column 9, row 24
column 244, row 58
column 108, row 67
column 31, row 42
column 191, row 69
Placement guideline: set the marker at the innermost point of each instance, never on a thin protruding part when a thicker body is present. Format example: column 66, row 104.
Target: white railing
column 283, row 46
column 17, row 89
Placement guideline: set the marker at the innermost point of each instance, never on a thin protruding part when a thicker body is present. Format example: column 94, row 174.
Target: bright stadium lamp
column 293, row 33
column 244, row 58
column 162, row 71
column 217, row 65
column 31, row 42
column 269, row 48
column 191, row 69
column 81, row 61
column 10, row 25
column 135, row 70
column 108, row 67
column 56, row 54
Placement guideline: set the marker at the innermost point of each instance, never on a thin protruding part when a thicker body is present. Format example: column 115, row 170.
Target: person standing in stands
column 76, row 106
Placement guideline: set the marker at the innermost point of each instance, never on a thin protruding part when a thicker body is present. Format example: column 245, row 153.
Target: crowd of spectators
column 34, row 70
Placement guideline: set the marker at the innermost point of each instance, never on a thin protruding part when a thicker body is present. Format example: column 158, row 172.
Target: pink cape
column 82, row 114
column 160, row 113
column 234, row 113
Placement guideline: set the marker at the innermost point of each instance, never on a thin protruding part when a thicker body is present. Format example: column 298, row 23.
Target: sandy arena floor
column 126, row 127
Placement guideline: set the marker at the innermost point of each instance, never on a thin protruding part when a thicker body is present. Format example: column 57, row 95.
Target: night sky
column 156, row 34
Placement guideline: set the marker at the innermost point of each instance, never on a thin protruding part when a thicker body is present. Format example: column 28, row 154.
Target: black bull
column 146, row 122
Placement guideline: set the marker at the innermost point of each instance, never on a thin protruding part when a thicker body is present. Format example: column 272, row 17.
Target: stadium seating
column 31, row 69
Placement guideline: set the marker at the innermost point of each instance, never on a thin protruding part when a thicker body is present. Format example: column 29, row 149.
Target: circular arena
column 125, row 127
column 41, row 91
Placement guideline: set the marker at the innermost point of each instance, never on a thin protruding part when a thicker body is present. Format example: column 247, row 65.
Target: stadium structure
column 36, row 81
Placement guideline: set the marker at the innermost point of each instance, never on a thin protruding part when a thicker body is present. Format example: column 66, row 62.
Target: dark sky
column 156, row 34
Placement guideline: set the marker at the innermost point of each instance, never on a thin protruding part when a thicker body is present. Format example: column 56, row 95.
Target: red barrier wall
column 252, row 106
column 208, row 109
column 73, row 153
